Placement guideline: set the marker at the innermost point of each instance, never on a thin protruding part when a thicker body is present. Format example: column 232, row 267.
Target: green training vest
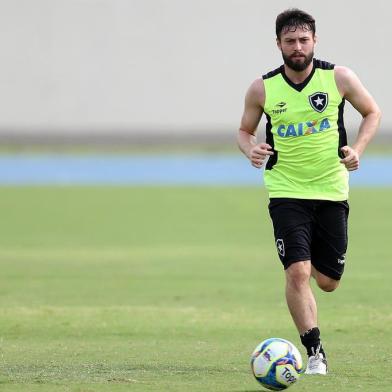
column 306, row 131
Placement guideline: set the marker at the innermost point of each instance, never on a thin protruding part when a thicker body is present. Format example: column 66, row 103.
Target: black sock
column 311, row 340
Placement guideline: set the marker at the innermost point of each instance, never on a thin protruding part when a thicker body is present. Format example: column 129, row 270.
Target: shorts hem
column 288, row 263
column 327, row 272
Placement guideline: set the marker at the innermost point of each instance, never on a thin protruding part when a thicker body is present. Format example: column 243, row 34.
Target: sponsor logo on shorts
column 280, row 246
column 342, row 260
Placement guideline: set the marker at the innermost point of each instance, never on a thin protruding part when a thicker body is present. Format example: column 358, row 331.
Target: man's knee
column 324, row 282
column 298, row 274
column 327, row 284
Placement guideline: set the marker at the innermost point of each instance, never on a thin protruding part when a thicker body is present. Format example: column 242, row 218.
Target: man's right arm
column 253, row 110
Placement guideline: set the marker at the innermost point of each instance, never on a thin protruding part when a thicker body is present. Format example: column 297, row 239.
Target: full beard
column 298, row 66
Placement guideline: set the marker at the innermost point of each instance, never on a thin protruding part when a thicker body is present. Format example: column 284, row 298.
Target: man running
column 307, row 160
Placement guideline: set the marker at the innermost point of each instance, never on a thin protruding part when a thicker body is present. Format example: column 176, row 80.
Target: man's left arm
column 353, row 90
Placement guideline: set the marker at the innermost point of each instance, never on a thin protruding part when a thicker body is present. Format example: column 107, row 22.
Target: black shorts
column 314, row 230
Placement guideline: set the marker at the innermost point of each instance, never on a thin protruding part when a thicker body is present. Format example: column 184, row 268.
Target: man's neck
column 298, row 77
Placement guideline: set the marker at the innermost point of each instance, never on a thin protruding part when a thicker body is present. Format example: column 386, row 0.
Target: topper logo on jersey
column 281, row 108
column 303, row 128
column 318, row 101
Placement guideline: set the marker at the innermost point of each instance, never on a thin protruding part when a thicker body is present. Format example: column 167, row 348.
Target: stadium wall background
column 144, row 68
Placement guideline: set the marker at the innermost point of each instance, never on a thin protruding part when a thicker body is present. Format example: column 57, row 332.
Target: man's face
column 297, row 47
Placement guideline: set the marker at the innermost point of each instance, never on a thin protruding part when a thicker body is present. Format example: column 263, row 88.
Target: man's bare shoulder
column 256, row 91
column 344, row 73
column 344, row 78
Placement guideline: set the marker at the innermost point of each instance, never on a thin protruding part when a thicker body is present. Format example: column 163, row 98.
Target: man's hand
column 351, row 158
column 258, row 154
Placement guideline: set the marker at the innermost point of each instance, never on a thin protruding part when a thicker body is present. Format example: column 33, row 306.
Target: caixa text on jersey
column 303, row 128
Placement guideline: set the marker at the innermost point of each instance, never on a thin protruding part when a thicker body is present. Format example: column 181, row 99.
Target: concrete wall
column 165, row 65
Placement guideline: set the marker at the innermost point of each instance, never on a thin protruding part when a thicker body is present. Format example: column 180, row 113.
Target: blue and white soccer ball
column 276, row 364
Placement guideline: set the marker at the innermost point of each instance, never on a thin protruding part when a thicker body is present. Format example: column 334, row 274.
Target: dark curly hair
column 293, row 18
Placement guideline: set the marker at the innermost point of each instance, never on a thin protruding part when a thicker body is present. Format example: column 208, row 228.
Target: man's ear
column 278, row 43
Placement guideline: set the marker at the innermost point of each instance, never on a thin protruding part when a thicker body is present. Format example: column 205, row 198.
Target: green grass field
column 170, row 289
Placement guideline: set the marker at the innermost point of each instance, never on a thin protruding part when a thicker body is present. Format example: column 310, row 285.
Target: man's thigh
column 292, row 222
column 329, row 242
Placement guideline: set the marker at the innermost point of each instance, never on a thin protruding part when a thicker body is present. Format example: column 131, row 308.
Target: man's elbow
column 374, row 114
column 378, row 115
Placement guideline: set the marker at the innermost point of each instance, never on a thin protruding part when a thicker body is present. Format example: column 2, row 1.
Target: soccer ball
column 276, row 364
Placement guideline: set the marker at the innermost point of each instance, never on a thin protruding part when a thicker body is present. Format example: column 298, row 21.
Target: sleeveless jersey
column 306, row 131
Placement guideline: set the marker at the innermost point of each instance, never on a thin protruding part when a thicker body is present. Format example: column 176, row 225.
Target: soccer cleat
column 317, row 364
